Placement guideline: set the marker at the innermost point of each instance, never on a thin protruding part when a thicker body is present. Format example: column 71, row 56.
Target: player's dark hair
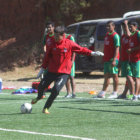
column 111, row 22
column 134, row 23
column 50, row 23
column 60, row 30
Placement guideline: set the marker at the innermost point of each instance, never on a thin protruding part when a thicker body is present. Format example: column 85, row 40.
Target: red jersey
column 49, row 38
column 134, row 42
column 58, row 55
column 109, row 47
column 124, row 48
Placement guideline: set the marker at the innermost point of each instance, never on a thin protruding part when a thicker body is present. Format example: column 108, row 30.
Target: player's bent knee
column 55, row 91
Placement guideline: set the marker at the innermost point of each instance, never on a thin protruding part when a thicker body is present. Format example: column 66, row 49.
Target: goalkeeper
column 58, row 61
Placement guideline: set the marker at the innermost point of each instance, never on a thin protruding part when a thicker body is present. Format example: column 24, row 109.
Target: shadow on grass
column 7, row 99
column 116, row 103
column 97, row 110
column 23, row 79
column 17, row 114
column 88, row 76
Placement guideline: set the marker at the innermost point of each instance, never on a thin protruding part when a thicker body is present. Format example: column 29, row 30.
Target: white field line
column 45, row 134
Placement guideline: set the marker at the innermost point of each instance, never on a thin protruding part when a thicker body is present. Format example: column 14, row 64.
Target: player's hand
column 40, row 73
column 113, row 63
column 125, row 22
column 98, row 53
column 129, row 50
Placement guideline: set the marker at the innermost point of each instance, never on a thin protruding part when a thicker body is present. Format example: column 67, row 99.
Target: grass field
column 83, row 118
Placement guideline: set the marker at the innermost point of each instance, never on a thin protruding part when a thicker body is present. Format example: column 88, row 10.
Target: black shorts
column 59, row 80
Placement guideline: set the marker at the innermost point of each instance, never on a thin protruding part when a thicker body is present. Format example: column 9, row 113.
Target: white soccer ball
column 26, row 108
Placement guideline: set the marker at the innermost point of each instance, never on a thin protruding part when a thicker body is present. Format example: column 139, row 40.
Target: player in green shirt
column 70, row 82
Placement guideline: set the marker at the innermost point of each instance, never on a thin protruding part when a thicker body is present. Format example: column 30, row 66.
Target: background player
column 111, row 58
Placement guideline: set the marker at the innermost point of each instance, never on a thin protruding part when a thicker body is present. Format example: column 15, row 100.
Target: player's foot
column 139, row 96
column 34, row 101
column 113, row 96
column 121, row 96
column 100, row 95
column 43, row 97
column 130, row 97
column 73, row 96
column 135, row 98
column 68, row 96
column 45, row 111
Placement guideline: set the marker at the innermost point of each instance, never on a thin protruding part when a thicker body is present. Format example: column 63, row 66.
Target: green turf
column 82, row 117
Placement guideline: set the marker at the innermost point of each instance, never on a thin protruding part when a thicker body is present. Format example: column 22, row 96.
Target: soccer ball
column 26, row 108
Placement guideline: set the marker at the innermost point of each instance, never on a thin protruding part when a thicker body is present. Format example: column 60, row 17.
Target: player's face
column 50, row 29
column 110, row 27
column 133, row 28
column 58, row 37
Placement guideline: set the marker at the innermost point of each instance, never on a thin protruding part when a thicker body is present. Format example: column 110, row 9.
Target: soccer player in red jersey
column 111, row 58
column 134, row 60
column 50, row 34
column 58, row 62
column 124, row 58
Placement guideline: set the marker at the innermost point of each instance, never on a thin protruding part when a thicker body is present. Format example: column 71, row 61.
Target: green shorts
column 109, row 69
column 134, row 69
column 125, row 68
column 73, row 70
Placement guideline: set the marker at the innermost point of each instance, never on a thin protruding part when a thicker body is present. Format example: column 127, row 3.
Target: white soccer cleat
column 139, row 96
column 68, row 96
column 135, row 98
column 113, row 96
column 100, row 95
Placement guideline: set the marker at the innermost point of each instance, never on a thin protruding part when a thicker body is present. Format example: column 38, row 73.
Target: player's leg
column 59, row 83
column 115, row 82
column 46, row 81
column 102, row 93
column 137, row 86
column 114, row 72
column 131, row 84
column 139, row 93
column 106, row 81
column 136, row 75
column 105, row 86
column 43, row 75
column 123, row 95
column 73, row 85
column 124, row 72
column 68, row 95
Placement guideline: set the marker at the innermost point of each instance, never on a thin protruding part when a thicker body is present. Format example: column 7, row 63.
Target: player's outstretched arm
column 84, row 51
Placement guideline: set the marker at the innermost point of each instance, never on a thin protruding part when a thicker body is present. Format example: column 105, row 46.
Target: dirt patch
column 26, row 75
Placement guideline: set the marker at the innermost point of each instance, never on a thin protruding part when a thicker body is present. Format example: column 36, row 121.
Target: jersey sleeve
column 80, row 50
column 138, row 35
column 116, row 40
column 46, row 58
column 44, row 39
column 72, row 38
